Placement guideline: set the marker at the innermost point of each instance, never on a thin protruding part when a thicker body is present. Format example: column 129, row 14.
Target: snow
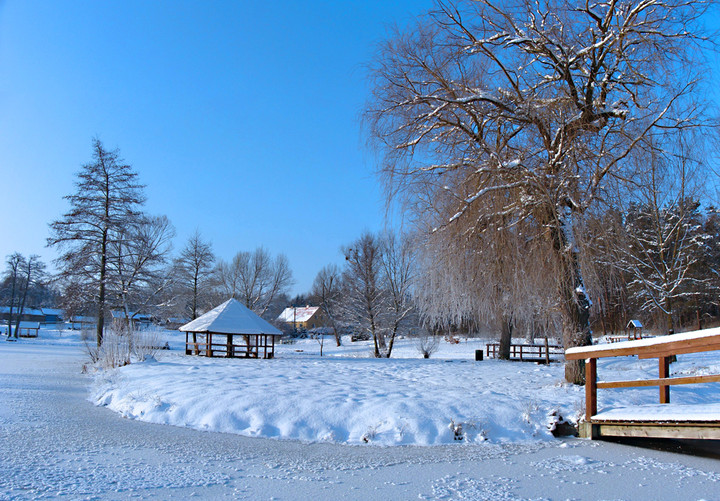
column 349, row 397
column 663, row 412
column 54, row 443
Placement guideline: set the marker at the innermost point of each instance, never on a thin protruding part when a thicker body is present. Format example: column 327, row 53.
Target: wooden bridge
column 663, row 420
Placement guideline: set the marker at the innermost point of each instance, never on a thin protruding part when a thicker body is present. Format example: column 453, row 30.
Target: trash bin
column 478, row 355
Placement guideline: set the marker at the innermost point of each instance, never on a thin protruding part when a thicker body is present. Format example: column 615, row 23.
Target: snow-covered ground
column 348, row 397
column 54, row 443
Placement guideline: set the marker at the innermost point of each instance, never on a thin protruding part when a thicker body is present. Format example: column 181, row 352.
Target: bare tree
column 22, row 276
column 365, row 298
column 327, row 289
column 538, row 102
column 136, row 258
column 15, row 263
column 194, row 268
column 398, row 262
column 108, row 198
column 255, row 278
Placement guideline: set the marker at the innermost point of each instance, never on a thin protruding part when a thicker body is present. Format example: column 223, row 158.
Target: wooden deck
column 662, row 420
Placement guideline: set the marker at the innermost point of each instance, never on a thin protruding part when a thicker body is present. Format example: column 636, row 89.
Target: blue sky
column 242, row 118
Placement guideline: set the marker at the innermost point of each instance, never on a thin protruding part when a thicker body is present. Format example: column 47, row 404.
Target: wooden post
column 664, row 370
column 590, row 388
column 547, row 352
column 229, row 353
column 208, row 348
column 187, row 345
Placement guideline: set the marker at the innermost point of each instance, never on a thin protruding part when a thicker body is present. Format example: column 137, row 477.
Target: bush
column 427, row 344
column 120, row 344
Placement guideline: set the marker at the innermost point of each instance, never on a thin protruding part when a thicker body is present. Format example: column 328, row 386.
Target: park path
column 54, row 443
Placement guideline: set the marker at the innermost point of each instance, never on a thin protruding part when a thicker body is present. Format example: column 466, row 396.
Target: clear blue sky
column 242, row 118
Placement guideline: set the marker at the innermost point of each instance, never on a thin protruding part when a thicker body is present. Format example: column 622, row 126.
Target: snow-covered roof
column 294, row 314
column 231, row 317
column 24, row 324
column 83, row 318
column 26, row 311
column 636, row 324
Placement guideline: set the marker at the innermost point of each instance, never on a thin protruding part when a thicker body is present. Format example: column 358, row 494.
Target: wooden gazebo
column 230, row 330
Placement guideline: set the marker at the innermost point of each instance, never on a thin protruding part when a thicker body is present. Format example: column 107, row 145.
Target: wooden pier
column 663, row 420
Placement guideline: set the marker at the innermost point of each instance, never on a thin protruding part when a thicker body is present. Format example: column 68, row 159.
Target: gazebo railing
column 250, row 345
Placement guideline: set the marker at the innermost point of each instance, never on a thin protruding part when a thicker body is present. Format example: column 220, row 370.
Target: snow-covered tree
column 538, row 102
column 108, row 198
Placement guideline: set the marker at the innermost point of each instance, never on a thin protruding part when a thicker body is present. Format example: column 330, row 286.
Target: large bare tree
column 538, row 102
column 108, row 198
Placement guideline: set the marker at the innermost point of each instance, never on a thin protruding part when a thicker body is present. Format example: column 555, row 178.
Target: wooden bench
column 690, row 422
column 527, row 352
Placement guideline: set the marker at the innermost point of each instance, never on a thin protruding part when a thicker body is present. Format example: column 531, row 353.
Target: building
column 304, row 318
column 137, row 319
column 231, row 330
column 29, row 314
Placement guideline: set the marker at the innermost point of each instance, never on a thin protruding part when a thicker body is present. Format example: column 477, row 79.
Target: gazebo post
column 229, row 353
column 208, row 350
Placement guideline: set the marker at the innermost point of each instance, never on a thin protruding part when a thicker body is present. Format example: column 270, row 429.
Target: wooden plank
column 710, row 378
column 664, row 373
column 659, row 348
column 644, row 430
column 680, row 351
column 590, row 388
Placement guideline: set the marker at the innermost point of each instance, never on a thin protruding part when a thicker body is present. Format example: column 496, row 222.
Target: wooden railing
column 662, row 348
column 526, row 351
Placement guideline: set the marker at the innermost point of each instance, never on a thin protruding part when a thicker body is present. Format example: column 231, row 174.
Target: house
column 29, row 314
column 82, row 322
column 137, row 319
column 52, row 316
column 304, row 318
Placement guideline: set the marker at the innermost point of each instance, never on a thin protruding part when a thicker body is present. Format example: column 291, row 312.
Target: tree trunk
column 575, row 303
column 101, row 293
column 21, row 308
column 506, row 331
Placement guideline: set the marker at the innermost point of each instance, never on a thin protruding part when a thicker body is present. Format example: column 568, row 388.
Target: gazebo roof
column 231, row 317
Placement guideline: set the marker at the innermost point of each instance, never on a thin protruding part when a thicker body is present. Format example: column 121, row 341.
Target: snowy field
column 54, row 443
column 349, row 397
